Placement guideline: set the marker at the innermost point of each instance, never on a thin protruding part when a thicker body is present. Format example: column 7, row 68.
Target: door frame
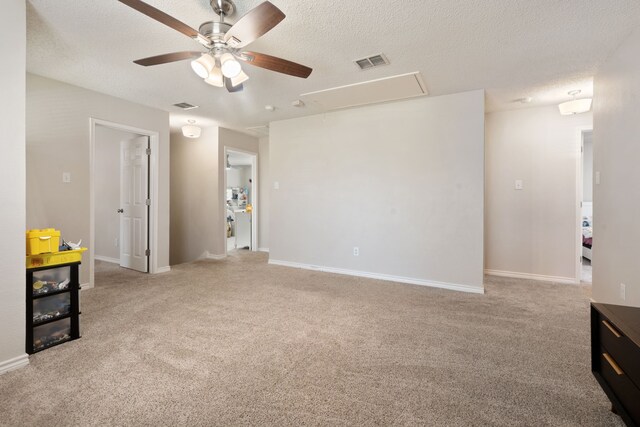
column 254, row 196
column 154, row 144
column 579, row 196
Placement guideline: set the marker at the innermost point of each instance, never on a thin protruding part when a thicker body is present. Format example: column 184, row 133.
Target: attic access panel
column 371, row 92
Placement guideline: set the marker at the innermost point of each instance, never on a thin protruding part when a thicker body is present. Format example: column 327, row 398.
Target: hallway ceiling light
column 575, row 106
column 190, row 130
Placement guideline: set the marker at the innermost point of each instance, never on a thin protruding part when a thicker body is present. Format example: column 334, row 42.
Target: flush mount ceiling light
column 224, row 43
column 575, row 106
column 191, row 130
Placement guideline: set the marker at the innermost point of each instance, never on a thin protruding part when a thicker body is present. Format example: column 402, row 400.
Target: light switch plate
column 66, row 177
column 519, row 184
column 276, row 185
column 597, row 177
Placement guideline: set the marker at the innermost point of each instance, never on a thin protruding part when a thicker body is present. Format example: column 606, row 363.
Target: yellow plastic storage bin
column 55, row 258
column 43, row 241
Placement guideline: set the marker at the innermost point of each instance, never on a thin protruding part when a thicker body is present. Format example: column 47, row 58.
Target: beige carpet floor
column 239, row 342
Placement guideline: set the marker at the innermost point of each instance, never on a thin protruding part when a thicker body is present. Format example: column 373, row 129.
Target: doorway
column 586, row 207
column 240, row 200
column 123, row 209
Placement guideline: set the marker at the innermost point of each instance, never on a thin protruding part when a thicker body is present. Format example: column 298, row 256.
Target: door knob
column 120, row 210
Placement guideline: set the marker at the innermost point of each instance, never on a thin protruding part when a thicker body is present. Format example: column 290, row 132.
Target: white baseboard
column 387, row 277
column 213, row 256
column 107, row 259
column 15, row 363
column 85, row 286
column 530, row 276
column 263, row 249
column 163, row 269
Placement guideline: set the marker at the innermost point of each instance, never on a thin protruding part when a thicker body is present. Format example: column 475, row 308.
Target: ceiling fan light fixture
column 215, row 78
column 230, row 67
column 239, row 79
column 191, row 130
column 203, row 65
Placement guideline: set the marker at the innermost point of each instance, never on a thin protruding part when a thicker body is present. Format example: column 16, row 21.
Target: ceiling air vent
column 185, row 106
column 372, row 61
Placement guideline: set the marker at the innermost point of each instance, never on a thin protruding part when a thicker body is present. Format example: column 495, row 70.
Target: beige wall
column 402, row 181
column 616, row 200
column 534, row 230
column 58, row 141
column 107, row 188
column 194, row 195
column 264, row 185
column 12, row 175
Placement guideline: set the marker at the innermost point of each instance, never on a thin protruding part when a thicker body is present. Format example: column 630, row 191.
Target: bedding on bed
column 587, row 231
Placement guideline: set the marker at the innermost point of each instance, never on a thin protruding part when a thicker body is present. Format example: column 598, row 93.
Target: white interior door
column 134, row 203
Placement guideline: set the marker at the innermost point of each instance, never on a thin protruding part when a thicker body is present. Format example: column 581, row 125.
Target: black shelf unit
column 63, row 304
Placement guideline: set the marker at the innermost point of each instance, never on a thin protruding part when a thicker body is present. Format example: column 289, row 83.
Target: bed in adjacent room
column 587, row 236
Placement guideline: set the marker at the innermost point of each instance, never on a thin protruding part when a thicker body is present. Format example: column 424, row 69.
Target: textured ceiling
column 512, row 48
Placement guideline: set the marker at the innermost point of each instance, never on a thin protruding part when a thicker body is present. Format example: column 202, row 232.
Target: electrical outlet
column 66, row 177
column 519, row 185
column 623, row 291
column 356, row 251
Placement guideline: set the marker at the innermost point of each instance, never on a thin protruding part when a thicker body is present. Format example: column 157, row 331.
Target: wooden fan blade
column 167, row 57
column 275, row 64
column 162, row 17
column 257, row 22
column 231, row 88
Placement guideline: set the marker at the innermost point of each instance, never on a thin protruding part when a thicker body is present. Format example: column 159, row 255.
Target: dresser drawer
column 625, row 390
column 621, row 348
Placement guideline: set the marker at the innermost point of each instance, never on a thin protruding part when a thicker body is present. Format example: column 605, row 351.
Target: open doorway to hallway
column 122, row 198
column 586, row 221
column 240, row 200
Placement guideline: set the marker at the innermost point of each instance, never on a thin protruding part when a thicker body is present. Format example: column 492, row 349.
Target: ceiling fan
column 219, row 66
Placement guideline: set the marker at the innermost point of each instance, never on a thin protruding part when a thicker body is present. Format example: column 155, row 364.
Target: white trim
column 213, row 256
column 263, row 250
column 163, row 269
column 107, row 259
column 154, row 144
column 530, row 276
column 85, row 286
column 378, row 276
column 15, row 363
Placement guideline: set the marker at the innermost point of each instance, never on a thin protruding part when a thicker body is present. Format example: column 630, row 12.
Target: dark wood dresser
column 615, row 357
